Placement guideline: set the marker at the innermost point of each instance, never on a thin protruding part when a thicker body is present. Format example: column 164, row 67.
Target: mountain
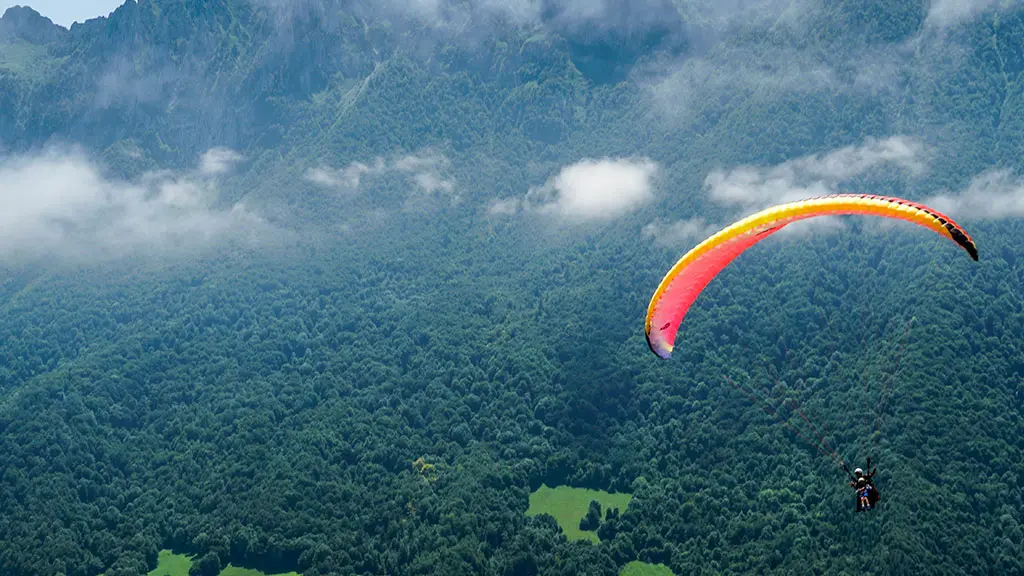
column 264, row 261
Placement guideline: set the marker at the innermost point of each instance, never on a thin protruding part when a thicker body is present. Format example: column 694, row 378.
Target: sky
column 64, row 12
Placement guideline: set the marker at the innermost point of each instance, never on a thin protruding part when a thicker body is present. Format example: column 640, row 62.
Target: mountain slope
column 260, row 258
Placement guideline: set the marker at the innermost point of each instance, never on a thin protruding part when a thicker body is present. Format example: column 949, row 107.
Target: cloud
column 595, row 189
column 681, row 232
column 58, row 204
column 751, row 188
column 680, row 89
column 729, row 13
column 758, row 50
column 587, row 191
column 607, row 15
column 440, row 13
column 994, row 195
column 426, row 171
column 458, row 22
column 424, row 18
column 124, row 81
column 942, row 13
column 554, row 13
column 430, row 182
column 218, row 160
column 505, row 207
column 813, row 175
column 347, row 178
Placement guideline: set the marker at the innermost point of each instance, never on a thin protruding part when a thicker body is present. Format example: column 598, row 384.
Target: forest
column 325, row 286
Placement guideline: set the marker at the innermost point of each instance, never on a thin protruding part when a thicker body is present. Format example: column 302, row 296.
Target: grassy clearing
column 569, row 505
column 230, row 570
column 638, row 568
column 171, row 564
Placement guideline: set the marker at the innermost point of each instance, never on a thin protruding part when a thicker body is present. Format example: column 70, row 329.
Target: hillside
column 332, row 286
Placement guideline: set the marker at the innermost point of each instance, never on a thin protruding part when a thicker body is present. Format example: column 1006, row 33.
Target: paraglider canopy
column 688, row 277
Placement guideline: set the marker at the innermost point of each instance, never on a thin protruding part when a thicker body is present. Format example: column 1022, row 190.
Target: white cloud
column 123, row 81
column 347, row 178
column 943, row 13
column 425, row 171
column 465, row 18
column 751, row 188
column 680, row 232
column 588, row 190
column 218, row 160
column 813, row 175
column 441, row 13
column 994, row 195
column 59, row 204
column 505, row 206
column 430, row 182
column 679, row 89
column 730, row 59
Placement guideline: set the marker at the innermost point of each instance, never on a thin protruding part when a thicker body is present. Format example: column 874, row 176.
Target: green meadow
column 569, row 505
column 637, row 568
column 230, row 570
column 171, row 564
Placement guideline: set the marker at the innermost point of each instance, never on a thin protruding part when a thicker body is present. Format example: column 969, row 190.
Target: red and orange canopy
column 685, row 281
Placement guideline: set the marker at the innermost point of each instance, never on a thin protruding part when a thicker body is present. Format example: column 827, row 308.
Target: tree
column 593, row 518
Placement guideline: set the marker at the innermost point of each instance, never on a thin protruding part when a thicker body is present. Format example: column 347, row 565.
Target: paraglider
column 684, row 282
column 864, row 484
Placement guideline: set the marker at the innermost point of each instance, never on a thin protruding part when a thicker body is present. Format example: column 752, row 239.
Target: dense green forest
column 333, row 286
